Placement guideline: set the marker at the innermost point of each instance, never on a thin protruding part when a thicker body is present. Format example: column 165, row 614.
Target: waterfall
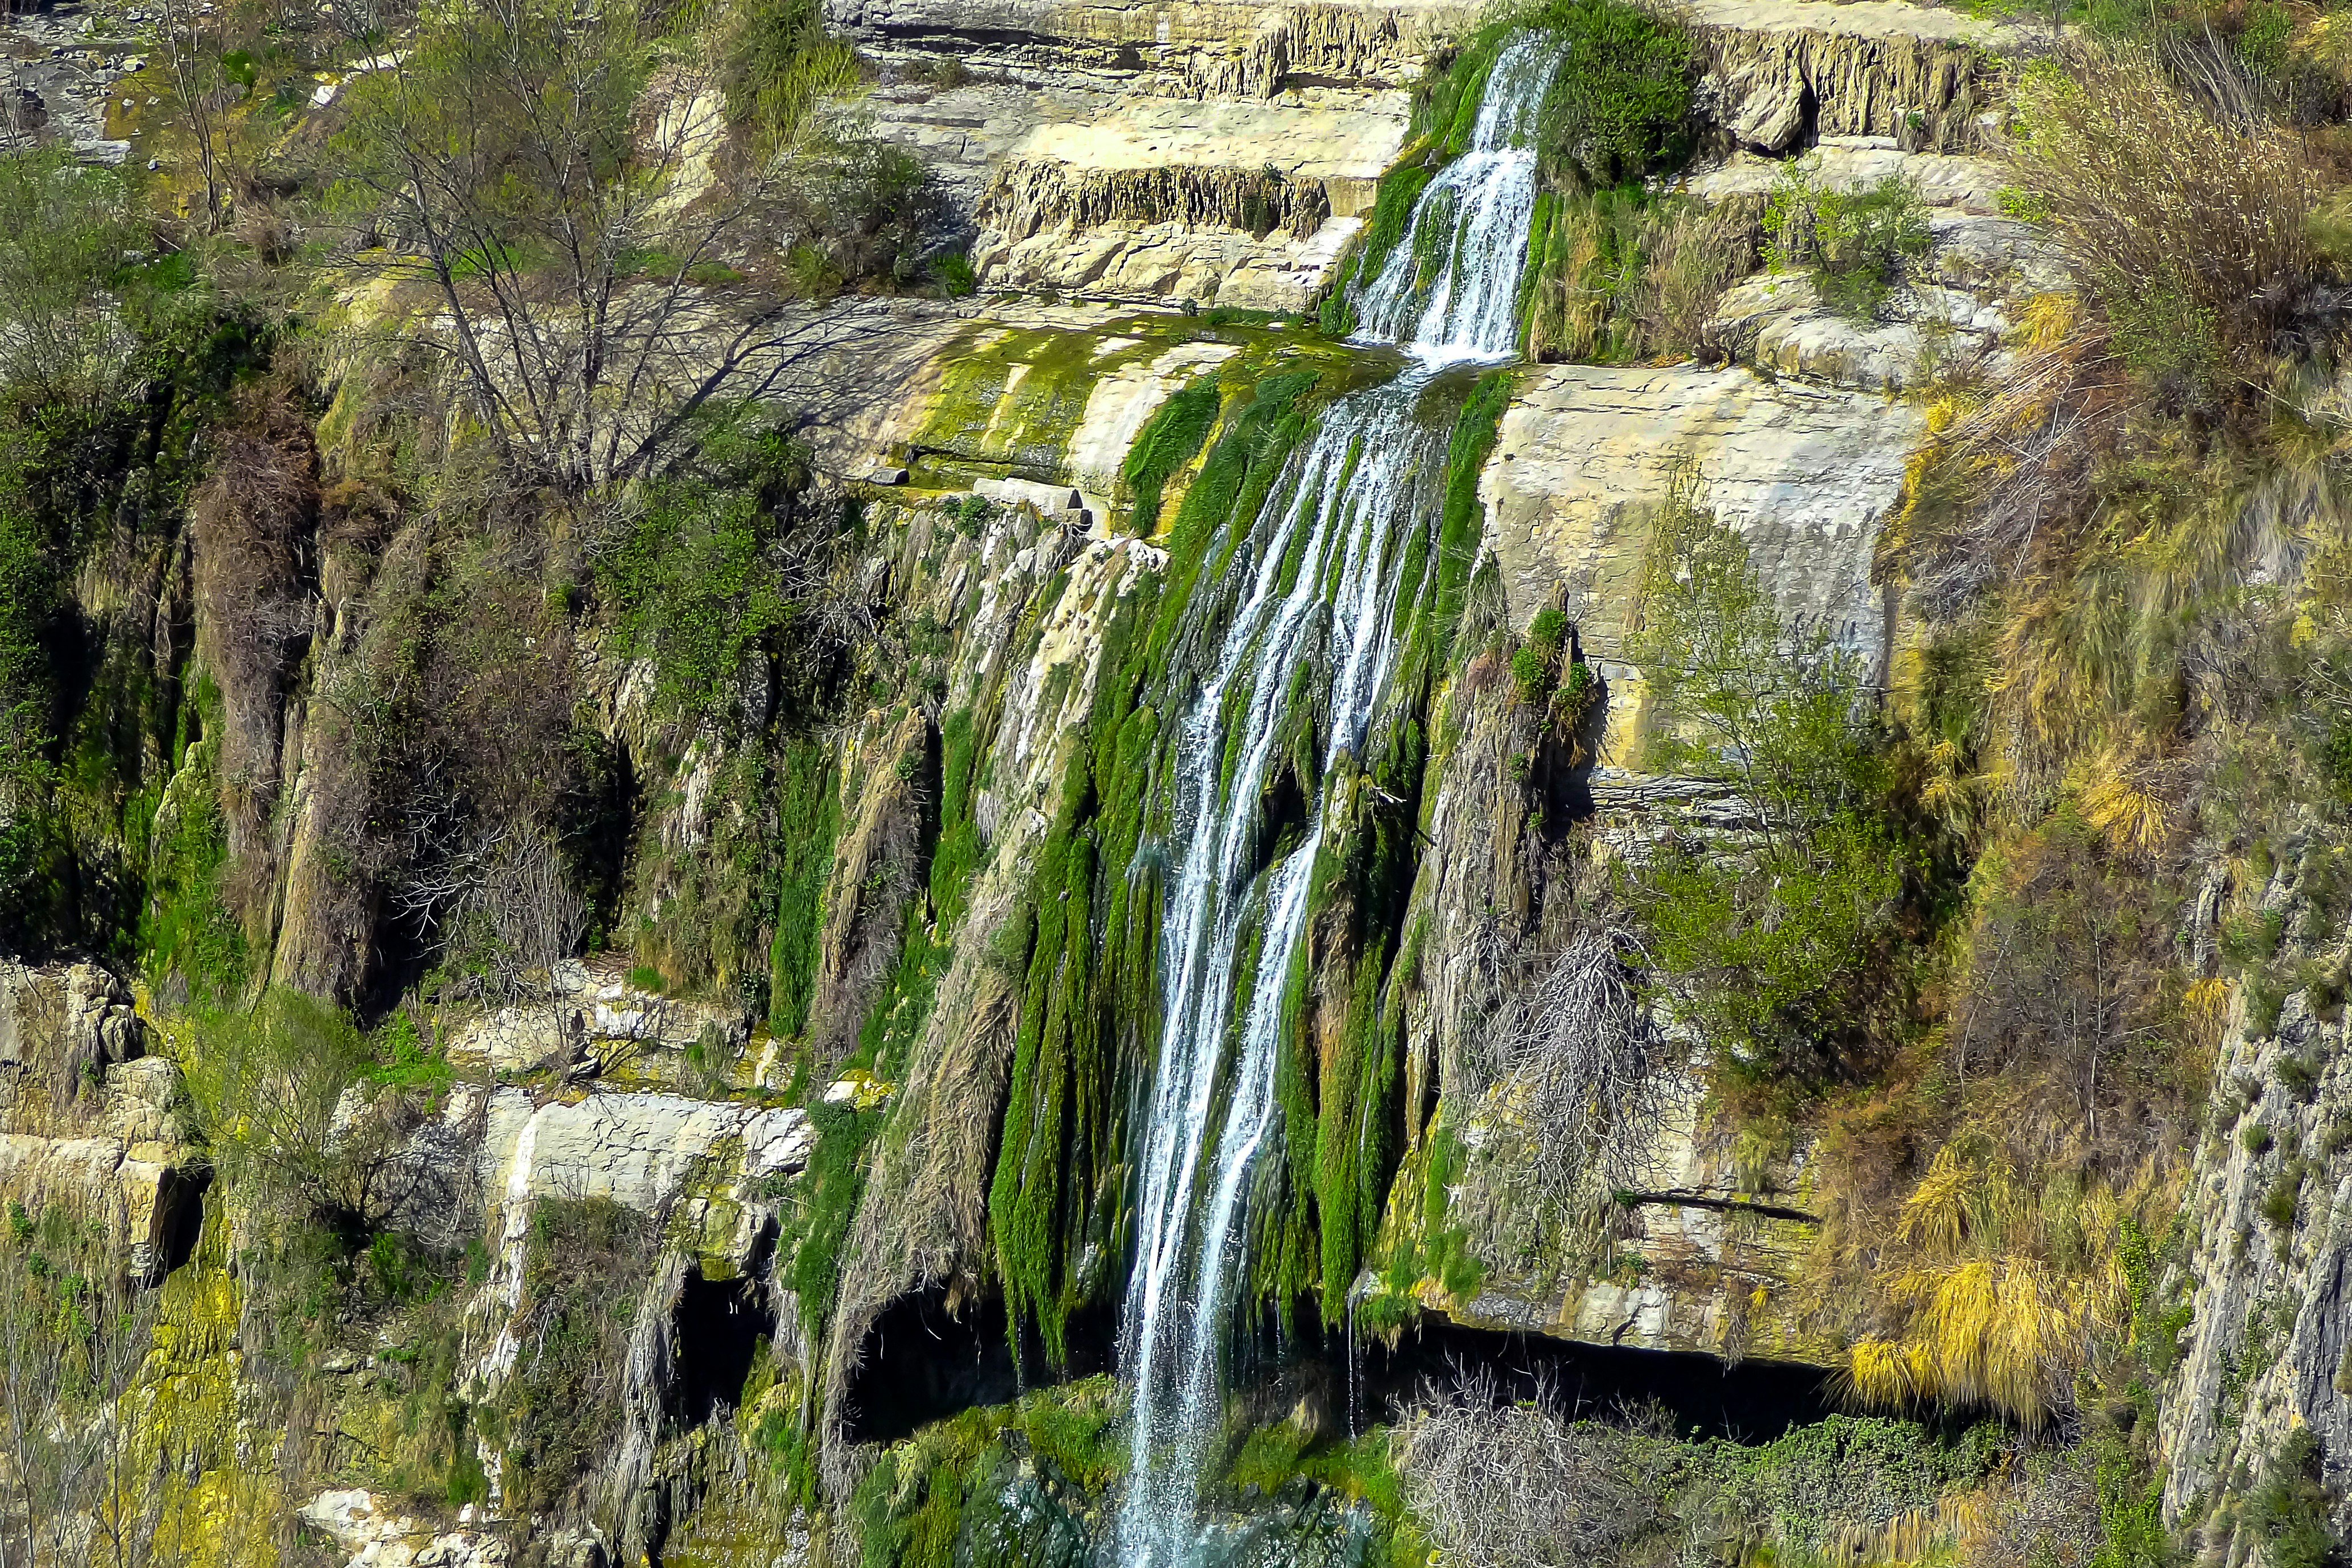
column 1315, row 586
column 1450, row 289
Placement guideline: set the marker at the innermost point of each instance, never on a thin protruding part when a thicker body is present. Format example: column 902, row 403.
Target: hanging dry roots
column 1578, row 1089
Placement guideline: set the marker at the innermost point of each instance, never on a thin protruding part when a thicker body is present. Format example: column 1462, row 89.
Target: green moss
column 1087, row 946
column 1012, row 399
column 1227, row 493
column 1168, row 440
column 808, row 815
column 1268, row 1457
column 913, row 1506
column 887, row 1037
column 1058, row 1106
column 1392, row 205
column 185, row 930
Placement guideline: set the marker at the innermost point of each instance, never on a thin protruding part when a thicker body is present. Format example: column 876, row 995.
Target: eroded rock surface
column 87, row 1119
column 2266, row 1347
column 1952, row 313
column 1806, row 474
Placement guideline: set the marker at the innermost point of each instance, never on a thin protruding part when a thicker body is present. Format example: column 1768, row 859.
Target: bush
column 717, row 568
column 268, row 1089
column 2193, row 227
column 861, row 209
column 1619, row 107
column 2059, row 984
column 64, row 230
column 1533, row 664
column 2281, row 1202
column 1855, row 242
column 781, row 65
column 2289, row 1512
column 1787, row 956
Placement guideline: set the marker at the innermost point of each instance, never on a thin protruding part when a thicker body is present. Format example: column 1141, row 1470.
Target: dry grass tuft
column 2181, row 209
column 2002, row 1286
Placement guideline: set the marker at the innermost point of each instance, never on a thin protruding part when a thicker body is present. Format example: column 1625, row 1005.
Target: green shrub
column 403, row 1060
column 952, row 269
column 2281, row 1200
column 1619, row 107
column 2190, row 220
column 781, row 65
column 1578, row 689
column 269, row 1087
column 2257, row 1137
column 698, row 582
column 1788, row 956
column 584, row 1263
column 2300, row 1075
column 1530, row 674
column 2290, row 1510
column 1855, row 242
column 860, row 208
column 2250, row 938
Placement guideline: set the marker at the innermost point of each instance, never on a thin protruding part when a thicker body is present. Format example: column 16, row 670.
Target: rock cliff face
column 916, row 1095
column 88, row 1119
column 2255, row 1292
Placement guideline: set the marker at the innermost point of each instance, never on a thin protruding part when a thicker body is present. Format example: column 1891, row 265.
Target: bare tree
column 564, row 186
column 76, row 1452
column 1515, row 1486
column 197, row 40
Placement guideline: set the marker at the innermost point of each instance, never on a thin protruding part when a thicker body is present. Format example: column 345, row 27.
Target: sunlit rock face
column 87, row 1120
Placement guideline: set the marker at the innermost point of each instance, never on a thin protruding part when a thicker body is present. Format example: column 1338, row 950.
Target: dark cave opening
column 1754, row 1401
column 922, row 1363
column 180, row 1203
column 720, row 1323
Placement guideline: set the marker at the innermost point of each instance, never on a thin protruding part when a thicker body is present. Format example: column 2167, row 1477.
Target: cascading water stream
column 1315, row 583
column 1449, row 297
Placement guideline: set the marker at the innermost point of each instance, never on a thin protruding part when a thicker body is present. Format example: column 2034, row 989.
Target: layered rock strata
column 87, row 1120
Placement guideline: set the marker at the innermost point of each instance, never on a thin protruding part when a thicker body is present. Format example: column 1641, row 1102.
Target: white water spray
column 1322, row 563
column 1449, row 297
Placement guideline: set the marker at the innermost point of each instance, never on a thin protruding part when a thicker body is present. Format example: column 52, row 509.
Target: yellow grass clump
column 2002, row 1285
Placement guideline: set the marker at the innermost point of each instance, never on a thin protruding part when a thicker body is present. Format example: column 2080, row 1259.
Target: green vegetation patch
column 1782, row 956
column 1011, row 398
column 1168, row 440
column 1004, row 1485
column 1856, row 243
